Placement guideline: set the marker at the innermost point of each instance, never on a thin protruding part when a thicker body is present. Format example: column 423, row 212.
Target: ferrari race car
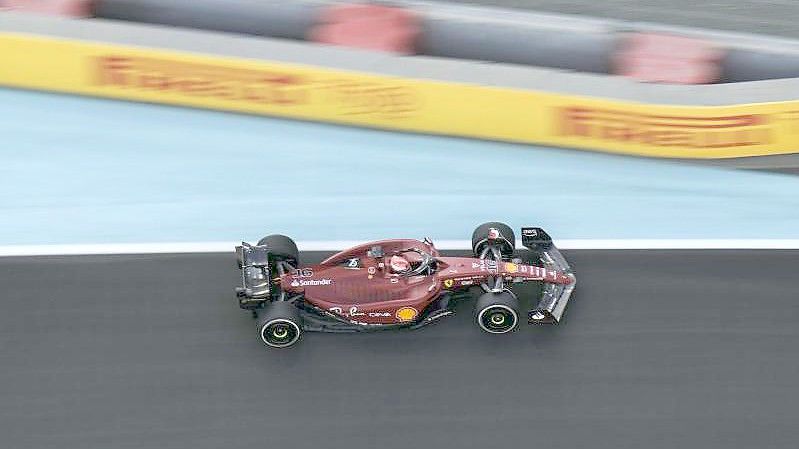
column 402, row 283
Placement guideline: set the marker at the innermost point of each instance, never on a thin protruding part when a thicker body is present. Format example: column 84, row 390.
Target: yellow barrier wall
column 316, row 93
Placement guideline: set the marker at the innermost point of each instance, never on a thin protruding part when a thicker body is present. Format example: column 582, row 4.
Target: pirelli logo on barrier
column 201, row 80
column 253, row 86
column 610, row 126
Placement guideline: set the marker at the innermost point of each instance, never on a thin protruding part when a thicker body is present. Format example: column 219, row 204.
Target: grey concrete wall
column 280, row 19
column 584, row 51
column 747, row 65
column 752, row 16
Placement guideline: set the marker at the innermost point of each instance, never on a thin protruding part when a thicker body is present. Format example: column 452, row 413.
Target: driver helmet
column 399, row 264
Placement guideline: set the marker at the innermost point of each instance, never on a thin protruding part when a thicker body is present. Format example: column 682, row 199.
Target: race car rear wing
column 255, row 275
column 554, row 297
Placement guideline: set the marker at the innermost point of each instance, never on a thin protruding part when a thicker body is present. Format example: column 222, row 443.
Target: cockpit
column 411, row 262
column 406, row 262
column 390, row 258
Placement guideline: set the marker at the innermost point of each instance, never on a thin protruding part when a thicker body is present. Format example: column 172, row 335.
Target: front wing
column 554, row 297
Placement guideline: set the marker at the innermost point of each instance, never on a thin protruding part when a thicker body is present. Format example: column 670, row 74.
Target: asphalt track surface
column 776, row 17
column 661, row 349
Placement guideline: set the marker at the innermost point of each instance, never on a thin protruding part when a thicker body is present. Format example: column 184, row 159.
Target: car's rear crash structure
column 400, row 283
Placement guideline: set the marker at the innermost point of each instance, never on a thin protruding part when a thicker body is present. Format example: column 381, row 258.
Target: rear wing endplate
column 255, row 275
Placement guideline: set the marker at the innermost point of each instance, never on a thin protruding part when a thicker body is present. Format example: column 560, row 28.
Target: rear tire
column 281, row 247
column 497, row 313
column 480, row 238
column 279, row 324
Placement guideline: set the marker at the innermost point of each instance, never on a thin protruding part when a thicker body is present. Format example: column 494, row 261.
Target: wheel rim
column 497, row 319
column 280, row 333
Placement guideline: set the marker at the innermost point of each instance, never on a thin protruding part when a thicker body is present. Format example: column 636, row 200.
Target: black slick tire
column 497, row 313
column 480, row 238
column 279, row 324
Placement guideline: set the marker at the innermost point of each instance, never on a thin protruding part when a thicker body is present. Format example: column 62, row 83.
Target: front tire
column 507, row 244
column 497, row 313
column 279, row 324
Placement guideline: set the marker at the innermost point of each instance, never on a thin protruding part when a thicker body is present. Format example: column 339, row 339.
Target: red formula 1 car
column 403, row 283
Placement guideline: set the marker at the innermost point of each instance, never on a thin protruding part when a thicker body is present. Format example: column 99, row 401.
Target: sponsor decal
column 406, row 313
column 469, row 277
column 528, row 232
column 193, row 79
column 353, row 263
column 354, row 313
column 258, row 86
column 310, row 282
column 723, row 131
column 464, row 281
column 371, row 270
column 511, row 267
column 485, row 264
column 448, row 283
column 373, row 98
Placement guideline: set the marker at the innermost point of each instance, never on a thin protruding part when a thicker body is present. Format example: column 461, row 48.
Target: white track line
column 227, row 247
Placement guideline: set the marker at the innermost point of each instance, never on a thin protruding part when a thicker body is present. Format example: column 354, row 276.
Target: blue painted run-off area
column 78, row 170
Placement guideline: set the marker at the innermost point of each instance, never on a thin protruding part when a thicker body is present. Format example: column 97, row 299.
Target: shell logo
column 511, row 267
column 448, row 283
column 406, row 313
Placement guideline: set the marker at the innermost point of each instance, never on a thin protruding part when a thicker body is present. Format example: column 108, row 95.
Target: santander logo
column 310, row 282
